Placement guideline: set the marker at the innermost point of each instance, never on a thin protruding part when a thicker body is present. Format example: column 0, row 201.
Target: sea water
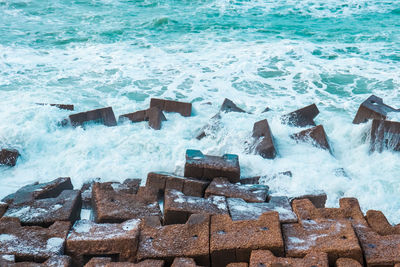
column 281, row 54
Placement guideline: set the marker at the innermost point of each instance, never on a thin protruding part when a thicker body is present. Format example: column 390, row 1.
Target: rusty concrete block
column 385, row 135
column 372, row 108
column 378, row 222
column 32, row 243
column 346, row 262
column 301, row 117
column 233, row 241
column 162, row 181
column 208, row 167
column 318, row 199
column 266, row 258
column 114, row 203
column 334, row 237
column 264, row 143
column 183, row 108
column 102, row 115
column 88, row 239
column 249, row 193
column 178, row 207
column 167, row 242
column 242, row 210
column 315, row 135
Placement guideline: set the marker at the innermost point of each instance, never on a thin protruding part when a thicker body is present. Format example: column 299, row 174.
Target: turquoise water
column 282, row 54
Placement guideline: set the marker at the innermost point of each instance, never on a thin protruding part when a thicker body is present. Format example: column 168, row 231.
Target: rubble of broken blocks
column 383, row 134
column 208, row 217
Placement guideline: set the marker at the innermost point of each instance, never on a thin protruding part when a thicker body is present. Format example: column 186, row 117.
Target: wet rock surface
column 183, row 108
column 315, row 135
column 385, row 135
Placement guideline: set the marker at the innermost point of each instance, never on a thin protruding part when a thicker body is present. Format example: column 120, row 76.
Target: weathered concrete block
column 334, row 237
column 145, row 263
column 184, row 262
column 32, row 243
column 111, row 204
column 153, row 115
column 35, row 191
column 9, row 157
column 98, row 262
column 385, row 135
column 102, row 115
column 346, row 262
column 315, row 135
column 209, row 167
column 264, row 143
column 249, row 193
column 44, row 212
column 372, row 108
column 233, row 241
column 162, row 181
column 266, row 258
column 229, row 106
column 3, row 208
column 378, row 250
column 318, row 199
column 183, row 108
column 53, row 261
column 88, row 239
column 378, row 222
column 177, row 240
column 349, row 210
column 301, row 117
column 178, row 207
column 242, row 210
column 238, row 264
column 212, row 126
column 60, row 106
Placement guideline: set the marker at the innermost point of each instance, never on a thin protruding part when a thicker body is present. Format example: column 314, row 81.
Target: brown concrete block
column 183, row 108
column 250, row 180
column 242, row 210
column 60, row 106
column 385, row 135
column 111, row 204
column 378, row 250
column 267, row 259
column 162, row 181
column 229, row 106
column 178, row 240
column 34, row 191
column 315, row 135
column 349, row 210
column 212, row 126
column 334, row 237
column 249, row 193
column 178, row 207
column 3, row 208
column 264, row 143
column 9, row 157
column 378, row 222
column 145, row 263
column 139, row 116
column 233, row 241
column 372, row 108
column 103, row 115
column 88, row 239
column 32, row 243
column 155, row 118
column 318, row 199
column 54, row 261
column 301, row 117
column 238, row 264
column 44, row 212
column 98, row 262
column 346, row 262
column 209, row 167
column 184, row 262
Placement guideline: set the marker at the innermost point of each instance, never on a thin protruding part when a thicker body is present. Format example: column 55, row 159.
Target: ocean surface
column 283, row 54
